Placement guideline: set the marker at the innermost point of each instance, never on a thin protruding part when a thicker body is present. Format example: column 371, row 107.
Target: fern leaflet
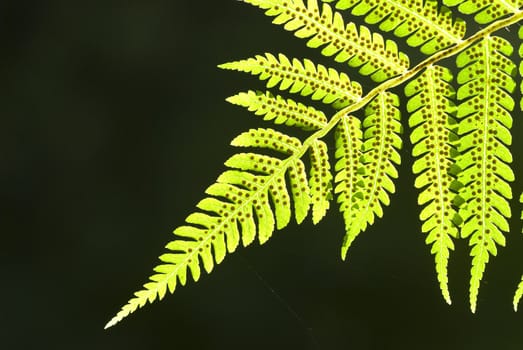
column 486, row 80
column 431, row 111
column 320, row 181
column 282, row 111
column 375, row 57
column 306, row 78
column 379, row 155
column 349, row 177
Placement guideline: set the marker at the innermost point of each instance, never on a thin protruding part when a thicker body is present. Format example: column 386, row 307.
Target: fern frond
column 431, row 107
column 280, row 110
column 303, row 77
column 486, row 81
column 238, row 207
column 486, row 11
column 258, row 193
column 381, row 141
column 367, row 51
column 421, row 21
column 320, row 180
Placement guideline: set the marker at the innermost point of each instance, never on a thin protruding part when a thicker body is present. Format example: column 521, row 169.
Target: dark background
column 113, row 122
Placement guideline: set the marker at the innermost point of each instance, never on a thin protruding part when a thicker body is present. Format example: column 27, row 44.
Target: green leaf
column 238, row 207
column 320, row 180
column 486, row 11
column 303, row 77
column 280, row 110
column 349, row 178
column 431, row 107
column 360, row 48
column 485, row 81
column 260, row 193
column 268, row 138
column 381, row 141
column 420, row 21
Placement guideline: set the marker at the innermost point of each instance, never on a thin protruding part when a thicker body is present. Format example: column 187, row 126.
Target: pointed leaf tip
column 110, row 324
column 518, row 295
column 344, row 250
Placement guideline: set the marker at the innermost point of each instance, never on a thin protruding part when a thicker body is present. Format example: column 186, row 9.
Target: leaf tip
column 111, row 323
column 517, row 296
column 473, row 308
column 226, row 65
column 344, row 250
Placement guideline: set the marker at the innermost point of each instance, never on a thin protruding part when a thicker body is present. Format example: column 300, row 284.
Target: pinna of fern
column 459, row 128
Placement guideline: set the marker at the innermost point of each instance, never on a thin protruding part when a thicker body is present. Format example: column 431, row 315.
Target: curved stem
column 407, row 75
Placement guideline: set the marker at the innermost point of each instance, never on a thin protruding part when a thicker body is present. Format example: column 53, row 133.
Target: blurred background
column 112, row 124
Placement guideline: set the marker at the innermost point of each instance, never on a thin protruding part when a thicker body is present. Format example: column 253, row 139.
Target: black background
column 113, row 122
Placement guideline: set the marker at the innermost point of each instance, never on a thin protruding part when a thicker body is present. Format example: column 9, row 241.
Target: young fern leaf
column 486, row 11
column 367, row 51
column 485, row 82
column 320, row 180
column 381, row 141
column 238, row 197
column 418, row 20
column 303, row 77
column 431, row 107
column 280, row 110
